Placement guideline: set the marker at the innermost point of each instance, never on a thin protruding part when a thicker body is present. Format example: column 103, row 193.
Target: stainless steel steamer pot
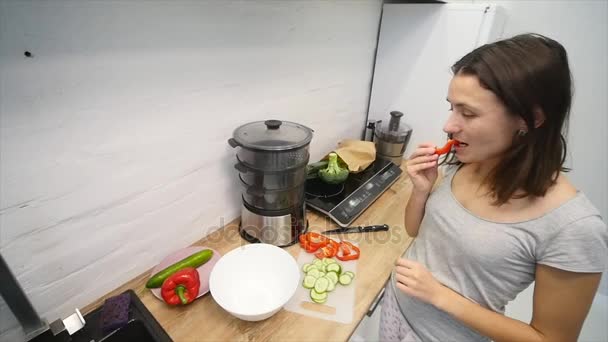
column 272, row 145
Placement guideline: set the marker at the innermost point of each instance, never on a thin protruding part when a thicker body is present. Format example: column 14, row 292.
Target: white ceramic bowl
column 253, row 282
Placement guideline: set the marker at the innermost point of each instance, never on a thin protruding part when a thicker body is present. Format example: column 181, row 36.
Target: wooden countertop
column 204, row 320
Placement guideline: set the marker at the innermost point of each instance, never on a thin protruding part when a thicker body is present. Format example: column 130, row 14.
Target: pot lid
column 272, row 135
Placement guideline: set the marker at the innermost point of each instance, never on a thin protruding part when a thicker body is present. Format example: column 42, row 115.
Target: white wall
column 113, row 136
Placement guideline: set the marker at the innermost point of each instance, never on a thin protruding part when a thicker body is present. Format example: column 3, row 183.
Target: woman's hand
column 416, row 281
column 422, row 168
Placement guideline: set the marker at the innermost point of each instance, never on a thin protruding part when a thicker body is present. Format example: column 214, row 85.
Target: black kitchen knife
column 359, row 229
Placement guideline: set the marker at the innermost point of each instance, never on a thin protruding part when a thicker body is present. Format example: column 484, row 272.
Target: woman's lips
column 460, row 146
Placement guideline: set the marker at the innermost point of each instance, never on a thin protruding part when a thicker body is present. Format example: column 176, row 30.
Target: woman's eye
column 467, row 114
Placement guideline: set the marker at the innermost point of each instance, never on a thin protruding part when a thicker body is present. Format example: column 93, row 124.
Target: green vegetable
column 322, row 276
column 313, row 169
column 195, row 260
column 334, row 173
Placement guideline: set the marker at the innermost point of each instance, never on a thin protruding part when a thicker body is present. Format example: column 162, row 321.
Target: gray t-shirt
column 490, row 263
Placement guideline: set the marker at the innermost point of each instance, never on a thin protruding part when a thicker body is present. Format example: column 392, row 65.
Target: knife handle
column 374, row 228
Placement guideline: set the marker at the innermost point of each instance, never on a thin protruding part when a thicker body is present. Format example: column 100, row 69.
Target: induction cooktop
column 343, row 203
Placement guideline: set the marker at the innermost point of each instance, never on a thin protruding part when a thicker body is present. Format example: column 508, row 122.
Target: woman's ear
column 539, row 117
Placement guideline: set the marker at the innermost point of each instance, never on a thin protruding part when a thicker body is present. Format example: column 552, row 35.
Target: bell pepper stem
column 179, row 290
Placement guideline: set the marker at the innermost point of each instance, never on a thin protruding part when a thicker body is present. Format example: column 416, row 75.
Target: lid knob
column 273, row 124
column 393, row 124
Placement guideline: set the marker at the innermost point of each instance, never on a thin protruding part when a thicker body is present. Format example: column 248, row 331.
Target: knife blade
column 358, row 229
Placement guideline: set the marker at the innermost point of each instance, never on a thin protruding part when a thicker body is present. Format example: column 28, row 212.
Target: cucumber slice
column 327, row 261
column 320, row 301
column 318, row 297
column 313, row 272
column 309, row 282
column 331, row 286
column 319, row 264
column 322, row 284
column 321, row 274
column 344, row 279
column 306, row 267
column 350, row 274
column 334, row 268
column 333, row 276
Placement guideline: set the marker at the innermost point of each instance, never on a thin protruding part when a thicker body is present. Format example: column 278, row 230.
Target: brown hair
column 527, row 73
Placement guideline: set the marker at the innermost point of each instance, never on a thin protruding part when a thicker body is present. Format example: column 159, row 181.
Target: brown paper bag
column 357, row 154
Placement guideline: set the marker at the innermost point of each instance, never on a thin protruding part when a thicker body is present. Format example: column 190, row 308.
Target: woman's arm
column 561, row 302
column 414, row 212
column 422, row 170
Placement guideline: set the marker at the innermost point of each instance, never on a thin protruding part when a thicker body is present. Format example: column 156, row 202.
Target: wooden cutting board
column 340, row 303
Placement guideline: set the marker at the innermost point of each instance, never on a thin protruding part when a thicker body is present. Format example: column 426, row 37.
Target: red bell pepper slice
column 348, row 251
column 181, row 287
column 326, row 252
column 316, row 239
column 447, row 147
column 306, row 245
column 312, row 241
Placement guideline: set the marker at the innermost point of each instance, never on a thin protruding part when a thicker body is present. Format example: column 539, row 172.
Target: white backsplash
column 113, row 136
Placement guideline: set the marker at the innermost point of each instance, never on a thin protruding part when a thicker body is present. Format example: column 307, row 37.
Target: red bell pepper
column 181, row 287
column 316, row 239
column 312, row 241
column 447, row 147
column 348, row 251
column 325, row 252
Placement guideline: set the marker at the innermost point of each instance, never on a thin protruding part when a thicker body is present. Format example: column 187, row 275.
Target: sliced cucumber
column 306, row 267
column 328, row 261
column 334, row 268
column 321, row 274
column 331, row 286
column 344, row 279
column 318, row 297
column 313, row 272
column 322, row 284
column 309, row 282
column 318, row 263
column 333, row 276
column 350, row 274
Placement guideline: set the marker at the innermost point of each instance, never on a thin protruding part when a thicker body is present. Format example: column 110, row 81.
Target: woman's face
column 479, row 121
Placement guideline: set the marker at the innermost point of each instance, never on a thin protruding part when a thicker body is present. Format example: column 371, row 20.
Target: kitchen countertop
column 205, row 320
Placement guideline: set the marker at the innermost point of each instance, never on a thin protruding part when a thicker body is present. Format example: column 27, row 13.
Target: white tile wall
column 113, row 135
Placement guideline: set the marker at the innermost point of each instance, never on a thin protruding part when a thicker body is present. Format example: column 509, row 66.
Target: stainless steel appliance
column 391, row 140
column 271, row 161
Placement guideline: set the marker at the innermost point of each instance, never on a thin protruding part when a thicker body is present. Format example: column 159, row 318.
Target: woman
column 504, row 215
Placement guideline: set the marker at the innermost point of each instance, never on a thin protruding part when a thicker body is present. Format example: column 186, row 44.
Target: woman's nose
column 451, row 126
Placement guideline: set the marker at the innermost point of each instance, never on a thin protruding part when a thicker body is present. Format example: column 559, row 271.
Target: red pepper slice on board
column 334, row 245
column 313, row 241
column 353, row 251
column 447, row 147
column 316, row 239
column 326, row 252
column 345, row 248
column 306, row 245
column 181, row 287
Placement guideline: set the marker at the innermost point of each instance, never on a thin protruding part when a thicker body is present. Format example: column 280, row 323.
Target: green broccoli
column 313, row 169
column 334, row 173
